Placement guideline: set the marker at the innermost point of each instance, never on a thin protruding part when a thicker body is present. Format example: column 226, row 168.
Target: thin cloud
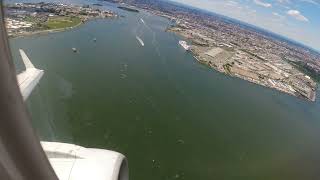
column 297, row 15
column 261, row 3
column 312, row 2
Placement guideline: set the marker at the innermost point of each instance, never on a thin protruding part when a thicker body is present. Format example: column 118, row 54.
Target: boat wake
column 140, row 40
column 145, row 24
column 154, row 40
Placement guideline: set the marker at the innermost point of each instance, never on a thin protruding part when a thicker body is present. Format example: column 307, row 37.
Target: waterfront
column 171, row 116
column 39, row 18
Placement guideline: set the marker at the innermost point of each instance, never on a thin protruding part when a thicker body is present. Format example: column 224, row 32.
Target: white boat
column 140, row 41
column 184, row 45
column 142, row 21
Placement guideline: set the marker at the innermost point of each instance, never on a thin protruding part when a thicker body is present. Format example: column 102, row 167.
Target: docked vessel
column 184, row 45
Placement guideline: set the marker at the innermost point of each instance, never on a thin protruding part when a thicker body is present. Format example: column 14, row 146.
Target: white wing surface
column 28, row 79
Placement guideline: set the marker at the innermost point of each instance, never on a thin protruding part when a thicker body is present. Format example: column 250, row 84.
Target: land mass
column 32, row 18
column 241, row 50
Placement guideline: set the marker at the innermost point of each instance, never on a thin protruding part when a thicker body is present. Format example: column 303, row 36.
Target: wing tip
column 25, row 59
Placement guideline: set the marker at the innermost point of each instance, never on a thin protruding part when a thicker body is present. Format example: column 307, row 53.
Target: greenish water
column 172, row 117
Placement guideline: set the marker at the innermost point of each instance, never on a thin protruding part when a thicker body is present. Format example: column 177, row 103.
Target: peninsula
column 241, row 50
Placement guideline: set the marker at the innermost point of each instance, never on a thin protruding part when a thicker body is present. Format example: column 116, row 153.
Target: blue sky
column 297, row 19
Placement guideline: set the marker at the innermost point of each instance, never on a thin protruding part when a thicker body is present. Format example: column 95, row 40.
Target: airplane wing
column 70, row 161
column 28, row 79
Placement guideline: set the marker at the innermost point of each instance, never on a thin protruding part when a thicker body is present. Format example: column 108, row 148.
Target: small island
column 97, row 4
column 128, row 9
column 32, row 18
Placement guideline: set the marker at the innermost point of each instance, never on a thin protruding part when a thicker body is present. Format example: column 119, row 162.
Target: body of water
column 172, row 117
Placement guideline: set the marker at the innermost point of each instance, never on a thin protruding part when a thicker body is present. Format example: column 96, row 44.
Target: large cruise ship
column 184, row 45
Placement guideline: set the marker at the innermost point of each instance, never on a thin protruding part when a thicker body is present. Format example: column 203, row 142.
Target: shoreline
column 48, row 31
column 307, row 91
column 251, row 81
column 53, row 18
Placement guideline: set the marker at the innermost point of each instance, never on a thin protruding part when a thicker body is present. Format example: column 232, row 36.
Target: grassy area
column 254, row 55
column 62, row 22
column 30, row 19
column 301, row 66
